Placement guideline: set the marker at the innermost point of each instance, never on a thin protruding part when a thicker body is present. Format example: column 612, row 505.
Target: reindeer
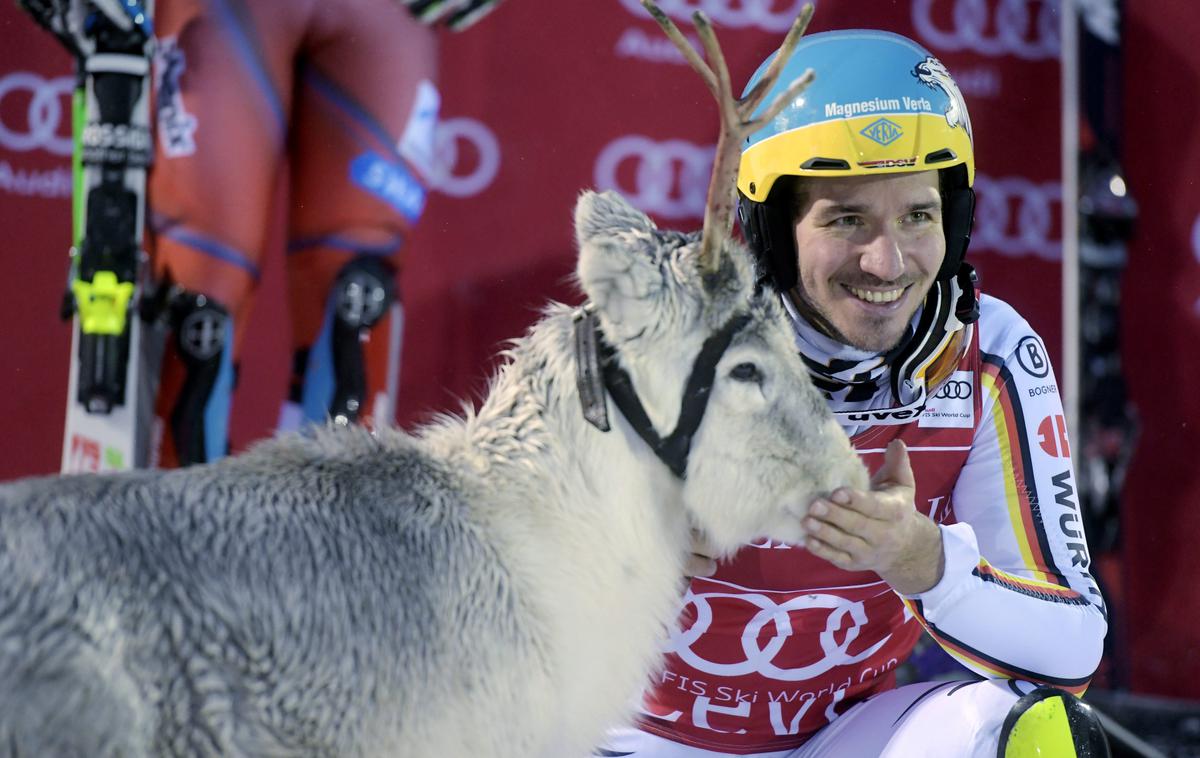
column 497, row 584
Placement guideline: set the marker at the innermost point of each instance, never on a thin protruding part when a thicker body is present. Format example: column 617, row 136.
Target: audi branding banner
column 993, row 28
column 35, row 233
column 545, row 98
column 39, row 109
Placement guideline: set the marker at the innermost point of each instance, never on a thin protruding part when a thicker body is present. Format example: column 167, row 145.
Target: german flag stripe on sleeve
column 1020, row 489
column 986, row 664
column 1032, row 587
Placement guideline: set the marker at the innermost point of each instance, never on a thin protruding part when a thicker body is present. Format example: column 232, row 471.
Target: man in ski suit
column 857, row 201
column 342, row 96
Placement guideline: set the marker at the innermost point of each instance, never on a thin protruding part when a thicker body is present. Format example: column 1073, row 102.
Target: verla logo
column 668, row 178
column 883, row 131
column 38, row 125
column 843, row 623
column 1025, row 29
column 769, row 15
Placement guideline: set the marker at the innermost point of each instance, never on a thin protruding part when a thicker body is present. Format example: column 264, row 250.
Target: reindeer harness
column 597, row 369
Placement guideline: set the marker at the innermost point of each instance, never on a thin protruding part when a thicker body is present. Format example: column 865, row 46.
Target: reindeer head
column 690, row 344
column 693, row 346
column 766, row 439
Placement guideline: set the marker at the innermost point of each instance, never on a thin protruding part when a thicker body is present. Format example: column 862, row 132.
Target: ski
column 112, row 368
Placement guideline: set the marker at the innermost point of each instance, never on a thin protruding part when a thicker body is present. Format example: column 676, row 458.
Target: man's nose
column 881, row 257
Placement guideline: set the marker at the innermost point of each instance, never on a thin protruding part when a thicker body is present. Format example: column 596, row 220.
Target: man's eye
column 920, row 217
column 846, row 221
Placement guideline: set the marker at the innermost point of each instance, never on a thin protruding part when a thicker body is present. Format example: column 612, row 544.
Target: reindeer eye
column 746, row 372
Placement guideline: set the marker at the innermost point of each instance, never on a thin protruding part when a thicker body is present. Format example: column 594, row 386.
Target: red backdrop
column 1161, row 334
column 546, row 98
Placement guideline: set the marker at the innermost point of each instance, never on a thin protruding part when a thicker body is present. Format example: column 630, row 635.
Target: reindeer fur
column 497, row 585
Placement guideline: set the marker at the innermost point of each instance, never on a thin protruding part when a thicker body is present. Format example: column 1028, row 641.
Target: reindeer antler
column 735, row 112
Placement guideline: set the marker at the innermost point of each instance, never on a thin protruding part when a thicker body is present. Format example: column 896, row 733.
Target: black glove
column 456, row 14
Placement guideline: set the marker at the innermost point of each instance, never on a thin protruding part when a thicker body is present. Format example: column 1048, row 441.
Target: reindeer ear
column 620, row 257
column 606, row 214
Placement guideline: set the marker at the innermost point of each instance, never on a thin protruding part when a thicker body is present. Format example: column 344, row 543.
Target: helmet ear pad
column 958, row 215
column 767, row 227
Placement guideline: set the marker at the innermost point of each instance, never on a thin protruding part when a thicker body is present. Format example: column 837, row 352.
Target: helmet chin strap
column 597, row 370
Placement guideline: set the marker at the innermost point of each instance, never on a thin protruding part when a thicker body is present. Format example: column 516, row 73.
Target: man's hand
column 700, row 561
column 880, row 530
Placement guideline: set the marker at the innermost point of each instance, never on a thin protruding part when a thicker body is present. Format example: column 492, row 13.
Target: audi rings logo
column 1026, row 29
column 667, row 178
column 467, row 157
column 1015, row 217
column 760, row 658
column 770, row 15
column 955, row 389
column 46, row 113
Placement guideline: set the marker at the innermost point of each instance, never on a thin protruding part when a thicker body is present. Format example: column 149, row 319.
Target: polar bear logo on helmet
column 933, row 74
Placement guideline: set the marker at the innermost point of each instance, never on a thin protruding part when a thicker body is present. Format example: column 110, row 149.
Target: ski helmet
column 880, row 104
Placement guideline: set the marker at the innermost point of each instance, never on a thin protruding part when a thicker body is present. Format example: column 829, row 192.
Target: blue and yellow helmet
column 880, row 104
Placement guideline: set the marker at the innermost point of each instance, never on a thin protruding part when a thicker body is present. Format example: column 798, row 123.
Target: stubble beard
column 873, row 340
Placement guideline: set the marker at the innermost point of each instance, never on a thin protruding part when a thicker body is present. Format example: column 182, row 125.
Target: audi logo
column 451, row 174
column 667, row 178
column 1014, row 216
column 760, row 658
column 955, row 389
column 49, row 100
column 1026, row 29
column 770, row 15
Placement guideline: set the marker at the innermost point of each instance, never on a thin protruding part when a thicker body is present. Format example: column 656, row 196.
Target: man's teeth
column 889, row 296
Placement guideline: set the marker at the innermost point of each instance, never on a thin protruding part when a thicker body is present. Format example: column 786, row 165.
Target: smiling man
column 857, row 201
column 871, row 246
